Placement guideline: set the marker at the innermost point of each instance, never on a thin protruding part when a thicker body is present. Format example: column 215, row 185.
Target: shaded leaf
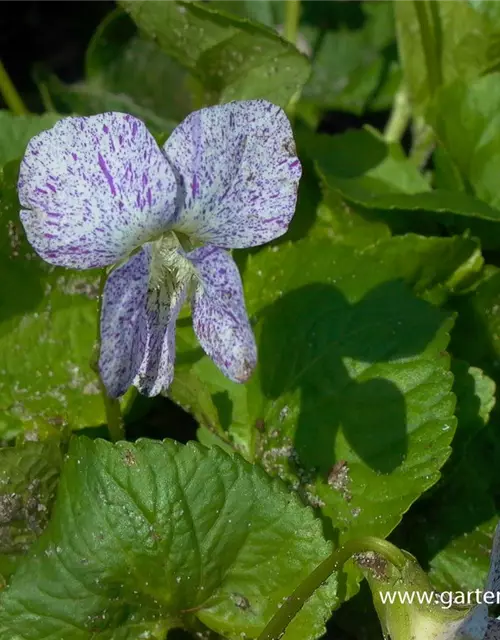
column 123, row 72
column 354, row 68
column 475, row 393
column 351, row 401
column 478, row 317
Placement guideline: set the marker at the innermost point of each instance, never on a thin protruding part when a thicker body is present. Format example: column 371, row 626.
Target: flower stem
column 113, row 415
column 428, row 35
column 9, row 93
column 294, row 603
column 400, row 116
column 292, row 15
column 291, row 32
column 111, row 405
column 423, row 142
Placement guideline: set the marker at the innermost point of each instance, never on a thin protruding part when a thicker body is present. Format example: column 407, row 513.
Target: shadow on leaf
column 315, row 341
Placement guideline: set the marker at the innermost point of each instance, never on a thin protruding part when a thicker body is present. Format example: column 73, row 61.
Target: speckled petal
column 239, row 171
column 474, row 626
column 137, row 329
column 92, row 189
column 220, row 319
column 493, row 580
column 493, row 630
column 157, row 368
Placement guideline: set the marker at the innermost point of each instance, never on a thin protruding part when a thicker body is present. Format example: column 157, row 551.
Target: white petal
column 93, row 189
column 239, row 171
column 220, row 319
column 137, row 329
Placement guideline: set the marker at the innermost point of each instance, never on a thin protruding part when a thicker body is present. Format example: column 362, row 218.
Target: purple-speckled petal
column 493, row 580
column 157, row 368
column 473, row 627
column 493, row 630
column 220, row 319
column 92, row 189
column 137, row 329
column 239, row 171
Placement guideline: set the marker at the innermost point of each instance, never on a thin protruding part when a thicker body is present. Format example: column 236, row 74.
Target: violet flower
column 98, row 191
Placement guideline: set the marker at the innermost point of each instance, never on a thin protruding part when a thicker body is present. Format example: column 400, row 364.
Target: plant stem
column 9, row 93
column 423, row 142
column 291, row 32
column 399, row 118
column 334, row 563
column 111, row 405
column 292, row 15
column 428, row 36
column 113, row 415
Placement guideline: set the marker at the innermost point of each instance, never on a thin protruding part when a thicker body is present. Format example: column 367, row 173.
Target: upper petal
column 239, row 171
column 220, row 319
column 138, row 329
column 94, row 188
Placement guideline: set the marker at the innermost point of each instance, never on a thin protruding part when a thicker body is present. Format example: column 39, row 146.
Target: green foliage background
column 373, row 407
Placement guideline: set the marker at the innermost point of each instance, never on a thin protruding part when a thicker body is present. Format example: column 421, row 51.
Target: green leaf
column 149, row 536
column 124, row 72
column 363, row 167
column 476, row 336
column 340, row 222
column 490, row 8
column 359, row 36
column 28, row 480
column 48, row 324
column 351, row 401
column 262, row 11
column 466, row 43
column 367, row 172
column 465, row 118
column 234, row 58
column 17, row 131
column 463, row 564
column 446, row 173
column 122, row 62
column 457, row 521
column 475, row 393
column 366, row 73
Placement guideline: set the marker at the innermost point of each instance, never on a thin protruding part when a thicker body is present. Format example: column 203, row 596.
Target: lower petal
column 137, row 330
column 474, row 625
column 220, row 319
column 157, row 367
column 493, row 630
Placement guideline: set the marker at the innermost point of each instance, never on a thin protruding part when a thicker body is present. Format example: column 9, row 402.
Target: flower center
column 170, row 269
